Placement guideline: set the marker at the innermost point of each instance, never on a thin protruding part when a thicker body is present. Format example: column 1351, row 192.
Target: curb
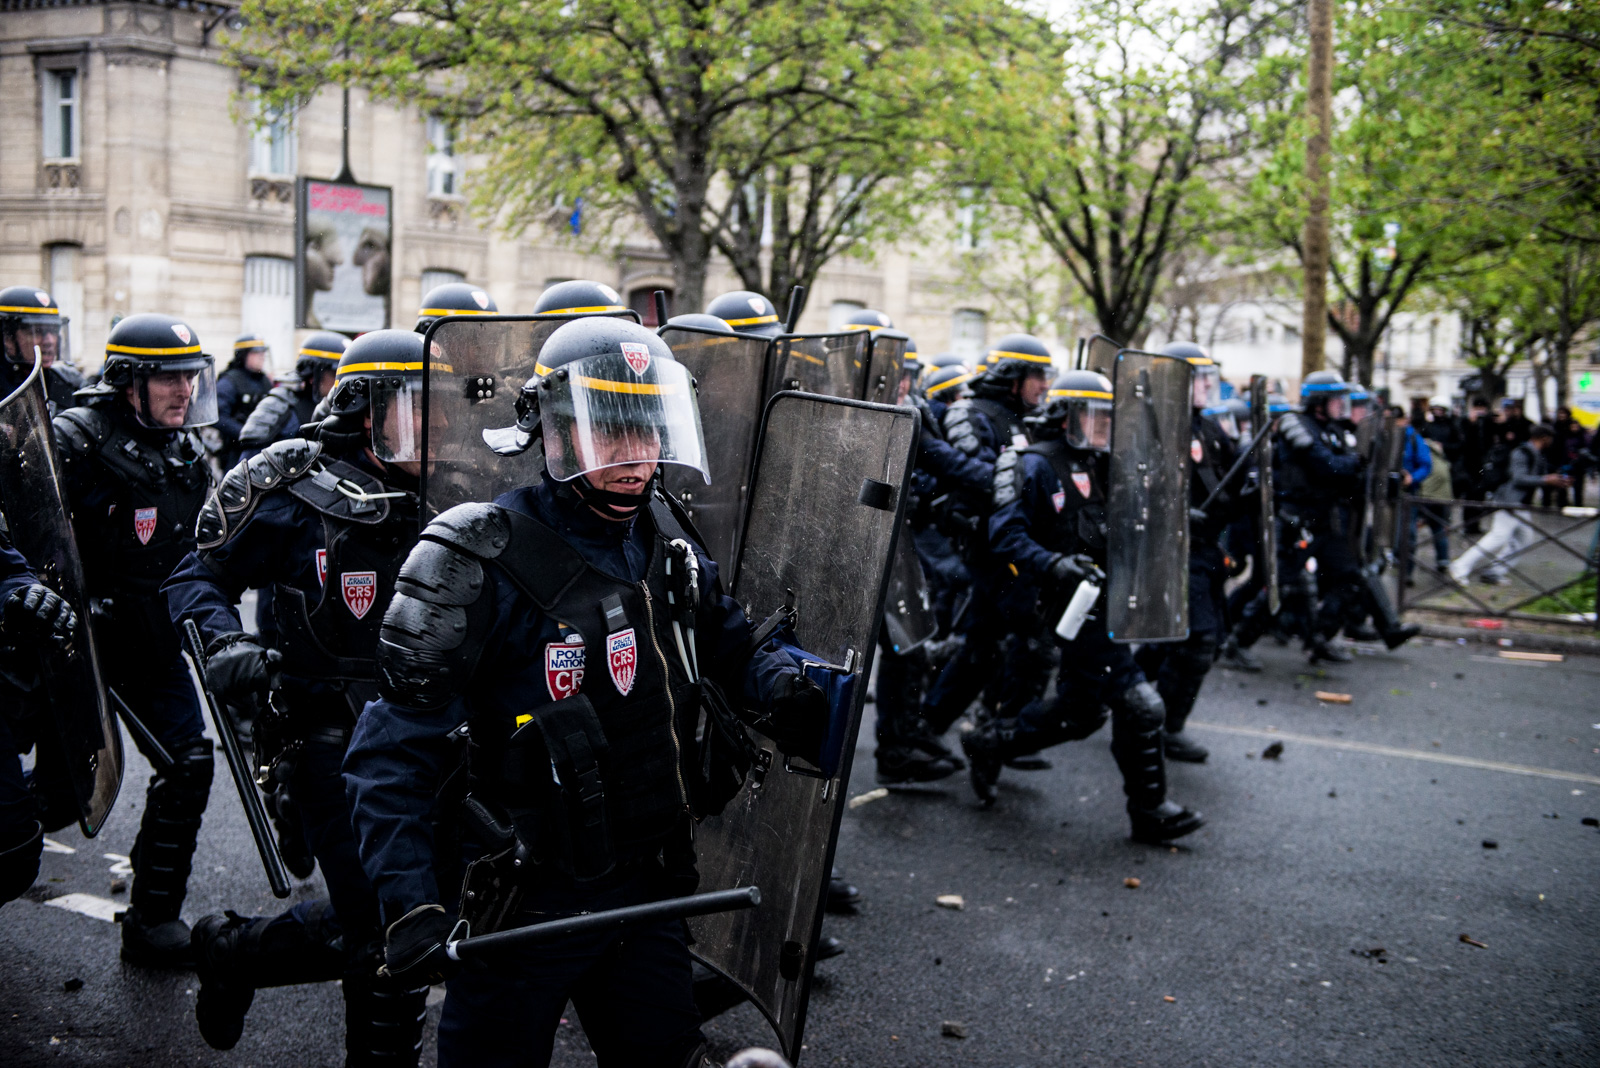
column 1518, row 639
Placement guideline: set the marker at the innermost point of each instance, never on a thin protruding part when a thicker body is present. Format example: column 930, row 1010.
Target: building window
column 268, row 306
column 441, row 158
column 434, row 277
column 972, row 223
column 272, row 142
column 61, row 114
column 839, row 311
column 969, row 331
column 642, row 299
column 65, row 283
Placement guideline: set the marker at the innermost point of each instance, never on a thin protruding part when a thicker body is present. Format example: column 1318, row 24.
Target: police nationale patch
column 42, row 297
column 360, row 589
column 182, row 332
column 481, row 299
column 1080, row 479
column 1197, row 451
column 563, row 667
column 637, row 355
column 144, row 524
column 322, row 567
column 1059, row 499
column 622, row 659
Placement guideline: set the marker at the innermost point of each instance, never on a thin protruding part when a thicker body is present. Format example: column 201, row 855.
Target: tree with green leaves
column 779, row 133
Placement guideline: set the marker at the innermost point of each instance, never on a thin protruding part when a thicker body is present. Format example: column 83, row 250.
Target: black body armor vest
column 1080, row 526
column 1294, row 485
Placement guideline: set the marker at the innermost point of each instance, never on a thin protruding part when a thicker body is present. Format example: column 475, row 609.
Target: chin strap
column 609, row 503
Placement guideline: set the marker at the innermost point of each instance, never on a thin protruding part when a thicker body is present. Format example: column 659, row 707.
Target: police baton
column 148, row 742
column 255, row 813
column 1238, row 465
column 677, row 908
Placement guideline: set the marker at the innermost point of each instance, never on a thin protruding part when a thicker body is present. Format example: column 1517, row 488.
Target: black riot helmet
column 1014, row 358
column 1206, row 384
column 453, row 298
column 579, row 297
column 244, row 345
column 868, row 319
column 700, row 321
column 1325, row 394
column 156, row 362
column 948, row 359
column 747, row 313
column 380, row 377
column 29, row 317
column 318, row 355
column 1079, row 407
column 944, row 383
column 610, row 394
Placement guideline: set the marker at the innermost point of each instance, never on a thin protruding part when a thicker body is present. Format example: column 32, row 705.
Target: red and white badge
column 1080, row 479
column 182, row 332
column 1197, row 451
column 637, row 355
column 563, row 666
column 360, row 589
column 322, row 567
column 481, row 299
column 1059, row 499
column 144, row 524
column 622, row 659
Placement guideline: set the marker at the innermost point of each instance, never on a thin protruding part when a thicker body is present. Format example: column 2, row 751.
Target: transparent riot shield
column 1147, row 500
column 827, row 500
column 886, row 360
column 1375, row 523
column 1267, row 553
column 79, row 741
column 473, row 370
column 908, row 616
column 829, row 364
column 729, row 372
column 1100, row 355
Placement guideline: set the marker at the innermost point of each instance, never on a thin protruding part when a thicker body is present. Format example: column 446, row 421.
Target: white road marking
column 1407, row 754
column 53, row 846
column 95, row 907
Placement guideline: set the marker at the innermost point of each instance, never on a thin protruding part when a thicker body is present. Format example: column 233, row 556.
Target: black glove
column 1065, row 570
column 239, row 670
column 413, row 946
column 798, row 719
column 38, row 609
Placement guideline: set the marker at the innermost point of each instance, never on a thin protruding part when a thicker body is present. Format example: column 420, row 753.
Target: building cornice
column 199, row 7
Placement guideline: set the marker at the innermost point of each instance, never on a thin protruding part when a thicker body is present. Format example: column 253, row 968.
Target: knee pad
column 187, row 784
column 1143, row 706
column 19, row 863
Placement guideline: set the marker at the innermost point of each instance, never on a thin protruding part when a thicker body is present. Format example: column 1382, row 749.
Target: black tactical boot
column 842, row 897
column 1165, row 822
column 985, row 747
column 152, row 933
column 1238, row 658
column 828, row 947
column 1319, row 648
column 905, row 764
column 1179, row 746
column 1376, row 599
column 226, row 990
column 1397, row 637
column 1361, row 632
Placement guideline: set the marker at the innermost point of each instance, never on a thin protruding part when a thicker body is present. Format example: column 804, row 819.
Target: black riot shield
column 829, row 364
column 1267, row 553
column 908, row 616
column 1147, row 500
column 79, row 743
column 730, row 373
column 827, row 500
column 886, row 358
column 1373, row 526
column 474, row 368
column 1100, row 355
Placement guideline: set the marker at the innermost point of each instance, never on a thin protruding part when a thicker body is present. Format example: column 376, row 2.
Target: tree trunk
column 1319, row 97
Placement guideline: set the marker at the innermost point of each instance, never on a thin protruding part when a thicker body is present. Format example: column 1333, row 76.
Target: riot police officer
column 135, row 478
column 30, row 613
column 453, row 298
column 29, row 318
column 326, row 527
column 289, row 405
column 239, row 389
column 747, row 312
column 1050, row 523
column 546, row 624
column 1179, row 668
column 981, row 426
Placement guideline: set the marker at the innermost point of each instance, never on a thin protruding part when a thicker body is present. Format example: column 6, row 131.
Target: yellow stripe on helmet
column 36, row 310
column 1201, row 361
column 135, row 350
column 440, row 313
column 607, row 385
column 759, row 319
column 249, row 343
column 1028, row 356
column 956, row 381
column 1091, row 394
column 321, row 353
column 586, row 311
column 386, row 365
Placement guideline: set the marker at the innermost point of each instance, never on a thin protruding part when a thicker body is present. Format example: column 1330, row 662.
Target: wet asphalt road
column 1263, row 929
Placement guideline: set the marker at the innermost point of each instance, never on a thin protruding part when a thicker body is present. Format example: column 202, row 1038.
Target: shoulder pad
column 267, row 419
column 282, row 461
column 484, row 530
column 958, row 428
column 1296, row 434
column 225, row 509
column 82, row 431
column 440, row 574
column 1007, row 478
column 433, row 631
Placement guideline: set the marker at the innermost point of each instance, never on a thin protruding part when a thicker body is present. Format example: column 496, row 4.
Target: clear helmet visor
column 1207, row 385
column 613, row 410
column 1088, row 424
column 175, row 395
column 20, row 335
column 1338, row 406
column 397, row 419
column 908, row 379
column 1358, row 408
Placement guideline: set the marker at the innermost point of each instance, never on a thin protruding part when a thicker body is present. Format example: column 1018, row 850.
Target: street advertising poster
column 342, row 259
